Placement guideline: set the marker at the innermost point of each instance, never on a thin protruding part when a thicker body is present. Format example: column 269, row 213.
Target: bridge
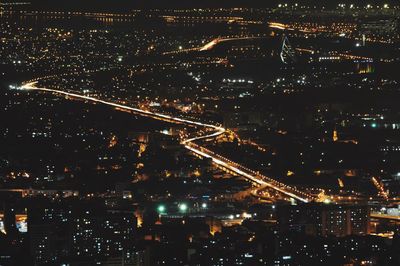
column 287, row 53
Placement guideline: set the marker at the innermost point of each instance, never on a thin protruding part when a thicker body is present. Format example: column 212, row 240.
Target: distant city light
column 246, row 215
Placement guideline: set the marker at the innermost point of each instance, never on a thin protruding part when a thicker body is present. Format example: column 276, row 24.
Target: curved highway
column 190, row 144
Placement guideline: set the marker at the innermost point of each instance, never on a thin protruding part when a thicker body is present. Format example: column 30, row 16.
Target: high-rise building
column 324, row 219
column 43, row 243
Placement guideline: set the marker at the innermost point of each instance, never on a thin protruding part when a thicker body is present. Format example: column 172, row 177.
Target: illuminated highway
column 385, row 216
column 220, row 130
column 249, row 174
column 189, row 144
column 213, row 43
column 210, row 45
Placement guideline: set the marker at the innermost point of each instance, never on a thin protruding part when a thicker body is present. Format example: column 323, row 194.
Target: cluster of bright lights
column 183, row 207
column 14, row 87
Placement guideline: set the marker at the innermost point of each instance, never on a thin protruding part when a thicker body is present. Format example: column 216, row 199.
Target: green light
column 183, row 207
column 204, row 205
column 161, row 208
column 374, row 125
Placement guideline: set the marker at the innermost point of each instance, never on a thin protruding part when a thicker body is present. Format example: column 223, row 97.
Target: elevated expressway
column 212, row 132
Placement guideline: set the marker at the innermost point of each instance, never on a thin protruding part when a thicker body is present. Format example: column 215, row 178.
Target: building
column 324, row 219
column 43, row 243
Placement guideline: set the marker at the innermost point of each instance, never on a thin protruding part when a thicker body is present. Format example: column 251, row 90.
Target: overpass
column 385, row 216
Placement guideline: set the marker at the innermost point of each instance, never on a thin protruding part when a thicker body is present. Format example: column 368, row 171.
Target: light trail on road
column 251, row 177
column 210, row 45
column 31, row 86
column 191, row 146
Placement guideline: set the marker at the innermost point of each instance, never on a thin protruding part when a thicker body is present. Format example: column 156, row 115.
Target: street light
column 161, row 208
column 183, row 207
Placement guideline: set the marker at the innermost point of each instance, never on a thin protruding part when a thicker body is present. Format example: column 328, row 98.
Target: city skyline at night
column 199, row 132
